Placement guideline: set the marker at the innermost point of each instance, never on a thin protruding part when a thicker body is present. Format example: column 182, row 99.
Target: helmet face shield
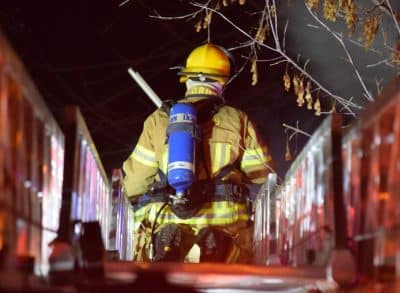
column 208, row 61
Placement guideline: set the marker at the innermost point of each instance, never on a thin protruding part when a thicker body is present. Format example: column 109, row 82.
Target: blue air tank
column 181, row 147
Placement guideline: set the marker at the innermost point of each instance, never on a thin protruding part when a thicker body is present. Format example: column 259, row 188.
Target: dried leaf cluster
column 205, row 21
column 302, row 91
column 260, row 37
column 313, row 4
column 396, row 55
column 317, row 106
column 330, row 9
column 272, row 9
column 203, row 24
column 349, row 7
column 286, row 81
column 308, row 96
column 253, row 70
column 288, row 155
column 262, row 31
column 370, row 28
column 228, row 2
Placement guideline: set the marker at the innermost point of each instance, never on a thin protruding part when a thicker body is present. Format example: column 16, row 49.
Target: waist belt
column 230, row 191
column 146, row 199
column 218, row 192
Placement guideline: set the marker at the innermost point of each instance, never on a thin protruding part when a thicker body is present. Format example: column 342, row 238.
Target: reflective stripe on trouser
column 212, row 213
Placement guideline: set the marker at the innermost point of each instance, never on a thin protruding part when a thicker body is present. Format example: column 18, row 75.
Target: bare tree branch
column 295, row 129
column 348, row 105
column 339, row 38
column 123, row 3
column 393, row 15
column 384, row 62
column 269, row 14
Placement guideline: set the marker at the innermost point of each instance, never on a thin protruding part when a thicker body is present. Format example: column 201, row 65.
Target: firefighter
column 229, row 155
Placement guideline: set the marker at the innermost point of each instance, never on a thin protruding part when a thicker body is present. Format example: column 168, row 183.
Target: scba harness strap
column 206, row 108
column 199, row 193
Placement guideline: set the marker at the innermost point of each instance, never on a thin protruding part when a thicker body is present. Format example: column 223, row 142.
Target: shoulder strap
column 167, row 105
column 207, row 108
column 226, row 170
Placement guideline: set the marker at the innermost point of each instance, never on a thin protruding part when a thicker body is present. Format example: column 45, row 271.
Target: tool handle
column 145, row 87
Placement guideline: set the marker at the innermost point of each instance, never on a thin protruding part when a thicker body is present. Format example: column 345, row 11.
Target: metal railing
column 31, row 167
column 300, row 215
column 86, row 188
column 341, row 194
column 371, row 154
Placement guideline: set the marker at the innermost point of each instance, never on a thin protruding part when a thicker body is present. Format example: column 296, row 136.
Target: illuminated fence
column 86, row 189
column 371, row 154
column 297, row 225
column 266, row 222
column 50, row 179
column 341, row 192
column 123, row 219
column 31, row 167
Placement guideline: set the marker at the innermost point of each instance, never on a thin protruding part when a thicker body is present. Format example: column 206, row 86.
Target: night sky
column 79, row 54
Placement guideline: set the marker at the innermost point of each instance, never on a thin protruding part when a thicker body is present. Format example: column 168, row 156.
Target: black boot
column 214, row 245
column 167, row 244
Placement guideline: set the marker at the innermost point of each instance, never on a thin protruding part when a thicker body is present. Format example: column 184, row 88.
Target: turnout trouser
column 231, row 243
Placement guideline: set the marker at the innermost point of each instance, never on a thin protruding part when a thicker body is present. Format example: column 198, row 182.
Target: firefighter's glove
column 167, row 243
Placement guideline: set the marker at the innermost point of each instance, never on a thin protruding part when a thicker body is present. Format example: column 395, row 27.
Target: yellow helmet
column 207, row 60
